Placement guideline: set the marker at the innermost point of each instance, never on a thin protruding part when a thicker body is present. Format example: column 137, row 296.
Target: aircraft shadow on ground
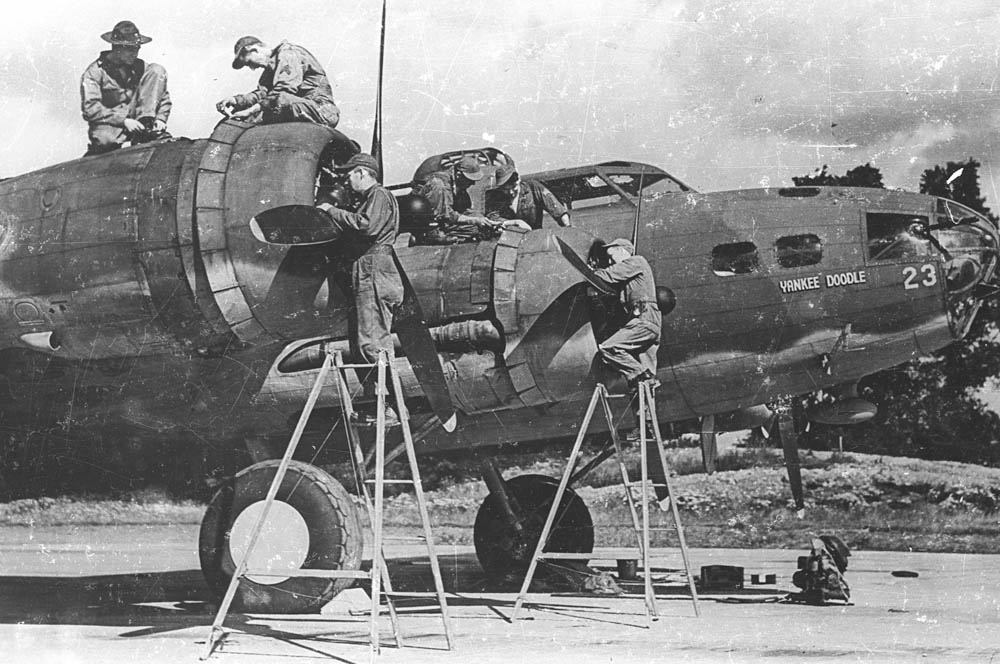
column 153, row 603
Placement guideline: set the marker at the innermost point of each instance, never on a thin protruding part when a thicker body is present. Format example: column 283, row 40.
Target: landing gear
column 504, row 549
column 312, row 524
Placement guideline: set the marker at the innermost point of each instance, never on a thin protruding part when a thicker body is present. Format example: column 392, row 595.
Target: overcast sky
column 723, row 95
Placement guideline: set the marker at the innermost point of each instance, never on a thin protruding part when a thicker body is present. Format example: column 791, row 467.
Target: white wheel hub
column 282, row 545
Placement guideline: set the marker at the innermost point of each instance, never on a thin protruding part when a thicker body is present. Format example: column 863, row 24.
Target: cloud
column 723, row 94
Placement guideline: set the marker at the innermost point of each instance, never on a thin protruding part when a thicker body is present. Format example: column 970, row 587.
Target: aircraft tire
column 502, row 552
column 324, row 523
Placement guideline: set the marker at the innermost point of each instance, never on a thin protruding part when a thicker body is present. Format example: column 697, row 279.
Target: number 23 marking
column 911, row 276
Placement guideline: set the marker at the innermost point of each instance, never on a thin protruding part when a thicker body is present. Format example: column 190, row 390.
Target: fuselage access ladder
column 373, row 490
column 651, row 443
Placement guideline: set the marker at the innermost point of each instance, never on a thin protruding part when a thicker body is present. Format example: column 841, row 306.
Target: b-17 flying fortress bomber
column 137, row 294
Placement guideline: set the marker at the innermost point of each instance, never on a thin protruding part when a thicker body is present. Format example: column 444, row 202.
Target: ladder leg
column 550, row 519
column 360, row 477
column 418, row 490
column 379, row 504
column 651, row 613
column 272, row 492
column 673, row 504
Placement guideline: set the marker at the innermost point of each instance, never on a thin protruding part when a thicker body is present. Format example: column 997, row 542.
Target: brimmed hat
column 471, row 168
column 504, row 174
column 241, row 45
column 362, row 159
column 125, row 34
column 621, row 242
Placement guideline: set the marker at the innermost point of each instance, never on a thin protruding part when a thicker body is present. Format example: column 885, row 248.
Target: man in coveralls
column 122, row 97
column 366, row 239
column 631, row 351
column 292, row 88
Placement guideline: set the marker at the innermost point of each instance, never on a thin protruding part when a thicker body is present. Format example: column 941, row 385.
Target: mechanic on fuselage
column 446, row 190
column 292, row 88
column 631, row 351
column 122, row 97
column 513, row 198
column 366, row 239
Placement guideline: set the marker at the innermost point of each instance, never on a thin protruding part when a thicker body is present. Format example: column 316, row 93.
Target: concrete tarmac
column 134, row 594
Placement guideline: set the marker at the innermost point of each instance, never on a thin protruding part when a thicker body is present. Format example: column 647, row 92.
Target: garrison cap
column 621, row 242
column 125, row 34
column 471, row 168
column 241, row 45
column 362, row 159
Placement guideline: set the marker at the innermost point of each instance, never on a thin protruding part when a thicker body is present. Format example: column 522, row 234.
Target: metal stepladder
column 371, row 489
column 640, row 519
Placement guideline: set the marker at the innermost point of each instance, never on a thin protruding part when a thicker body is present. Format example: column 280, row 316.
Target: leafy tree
column 859, row 176
column 928, row 407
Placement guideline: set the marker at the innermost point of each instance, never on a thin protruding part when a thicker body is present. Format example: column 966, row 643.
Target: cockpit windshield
column 609, row 183
column 954, row 213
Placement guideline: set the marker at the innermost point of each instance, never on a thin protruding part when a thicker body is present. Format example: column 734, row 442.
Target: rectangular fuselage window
column 896, row 236
column 735, row 258
column 798, row 250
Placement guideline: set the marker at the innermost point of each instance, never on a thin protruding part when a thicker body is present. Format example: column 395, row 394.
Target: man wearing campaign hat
column 292, row 88
column 513, row 198
column 446, row 190
column 122, row 97
column 631, row 351
column 366, row 239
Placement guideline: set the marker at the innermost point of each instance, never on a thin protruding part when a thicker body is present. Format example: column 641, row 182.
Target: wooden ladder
column 373, row 491
column 640, row 518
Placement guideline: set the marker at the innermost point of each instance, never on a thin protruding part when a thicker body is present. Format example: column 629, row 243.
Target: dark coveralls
column 448, row 203
column 368, row 235
column 632, row 350
column 533, row 198
column 112, row 92
column 293, row 88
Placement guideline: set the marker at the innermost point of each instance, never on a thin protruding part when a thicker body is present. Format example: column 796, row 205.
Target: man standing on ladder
column 631, row 351
column 367, row 237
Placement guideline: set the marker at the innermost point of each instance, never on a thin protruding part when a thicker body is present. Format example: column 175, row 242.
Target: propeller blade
column 295, row 225
column 584, row 269
column 789, row 444
column 415, row 338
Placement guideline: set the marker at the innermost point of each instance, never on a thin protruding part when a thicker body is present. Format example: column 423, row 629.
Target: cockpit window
column 896, row 236
column 798, row 250
column 735, row 258
column 954, row 213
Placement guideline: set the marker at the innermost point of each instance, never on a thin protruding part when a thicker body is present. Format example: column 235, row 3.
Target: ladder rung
column 390, row 481
column 404, row 538
column 605, row 554
column 356, row 366
column 315, row 573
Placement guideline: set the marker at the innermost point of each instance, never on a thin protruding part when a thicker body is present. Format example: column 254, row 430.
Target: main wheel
column 501, row 551
column 312, row 524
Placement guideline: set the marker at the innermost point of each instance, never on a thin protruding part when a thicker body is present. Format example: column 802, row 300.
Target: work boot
column 646, row 376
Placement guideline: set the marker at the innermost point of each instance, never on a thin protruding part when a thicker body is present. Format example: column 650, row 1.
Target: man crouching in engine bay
column 366, row 239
